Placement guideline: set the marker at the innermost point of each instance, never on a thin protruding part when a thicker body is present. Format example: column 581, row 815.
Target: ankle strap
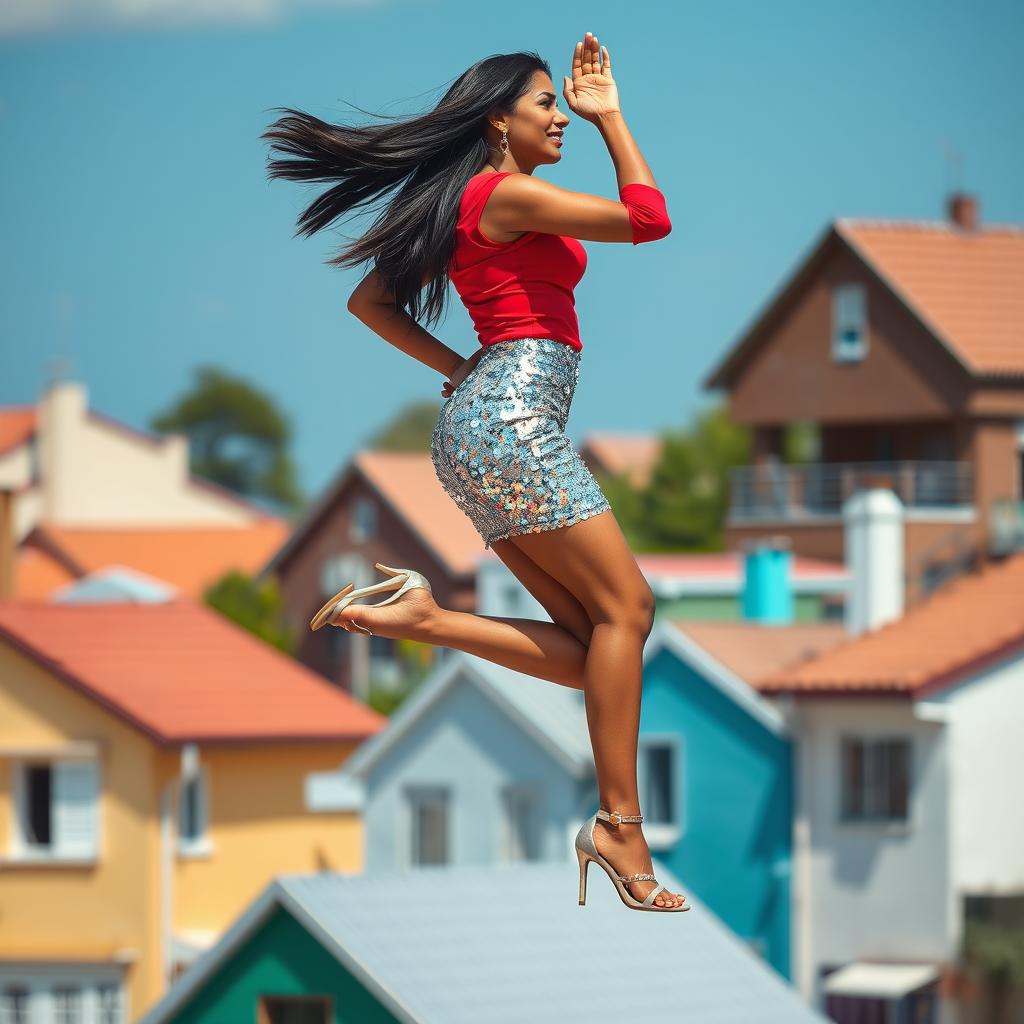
column 616, row 818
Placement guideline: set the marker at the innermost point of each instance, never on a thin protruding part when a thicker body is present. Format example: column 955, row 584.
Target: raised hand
column 591, row 92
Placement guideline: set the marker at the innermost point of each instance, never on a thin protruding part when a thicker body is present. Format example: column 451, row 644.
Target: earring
column 503, row 145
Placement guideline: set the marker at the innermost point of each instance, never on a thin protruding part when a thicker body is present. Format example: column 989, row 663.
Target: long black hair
column 429, row 157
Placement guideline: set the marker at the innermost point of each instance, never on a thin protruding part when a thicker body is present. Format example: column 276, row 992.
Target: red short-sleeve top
column 524, row 288
column 518, row 289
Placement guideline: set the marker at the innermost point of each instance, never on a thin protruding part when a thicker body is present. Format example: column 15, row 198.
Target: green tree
column 685, row 504
column 257, row 607
column 237, row 438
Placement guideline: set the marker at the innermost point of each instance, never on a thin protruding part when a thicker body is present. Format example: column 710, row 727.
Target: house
column 384, row 507
column 898, row 342
column 79, row 490
column 474, row 944
column 485, row 765
column 908, row 753
column 153, row 764
column 631, row 456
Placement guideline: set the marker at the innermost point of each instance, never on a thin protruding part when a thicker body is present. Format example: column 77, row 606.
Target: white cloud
column 33, row 17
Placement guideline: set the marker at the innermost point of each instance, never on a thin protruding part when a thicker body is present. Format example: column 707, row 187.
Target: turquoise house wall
column 280, row 958
column 735, row 804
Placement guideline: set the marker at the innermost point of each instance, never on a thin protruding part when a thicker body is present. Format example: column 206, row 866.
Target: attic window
column 364, row 520
column 849, row 323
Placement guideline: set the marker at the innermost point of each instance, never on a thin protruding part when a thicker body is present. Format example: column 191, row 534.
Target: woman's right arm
column 521, row 202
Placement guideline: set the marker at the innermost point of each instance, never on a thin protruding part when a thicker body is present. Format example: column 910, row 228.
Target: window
column 520, row 823
column 364, row 520
column 657, row 775
column 875, row 779
column 67, row 1004
column 429, row 821
column 193, row 810
column 14, row 1005
column 295, row 1010
column 108, row 1001
column 849, row 323
column 57, row 810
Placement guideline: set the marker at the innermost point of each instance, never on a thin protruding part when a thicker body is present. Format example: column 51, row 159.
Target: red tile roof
column 969, row 623
column 17, row 425
column 967, row 287
column 190, row 557
column 754, row 650
column 632, row 454
column 182, row 672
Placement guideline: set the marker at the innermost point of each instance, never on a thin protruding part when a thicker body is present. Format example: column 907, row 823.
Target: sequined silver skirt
column 499, row 446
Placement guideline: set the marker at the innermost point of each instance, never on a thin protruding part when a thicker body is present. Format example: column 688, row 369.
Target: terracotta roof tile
column 17, row 425
column 37, row 574
column 967, row 286
column 974, row 618
column 190, row 557
column 182, row 672
column 754, row 650
column 632, row 454
column 408, row 482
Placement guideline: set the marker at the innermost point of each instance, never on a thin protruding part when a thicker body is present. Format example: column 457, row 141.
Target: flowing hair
column 427, row 158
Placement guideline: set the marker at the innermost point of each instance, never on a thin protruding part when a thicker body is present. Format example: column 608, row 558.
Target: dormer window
column 849, row 323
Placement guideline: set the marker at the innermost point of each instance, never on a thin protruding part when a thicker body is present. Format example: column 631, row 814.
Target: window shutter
column 76, row 808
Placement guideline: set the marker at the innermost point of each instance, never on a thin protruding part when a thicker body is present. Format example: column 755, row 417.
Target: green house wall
column 281, row 958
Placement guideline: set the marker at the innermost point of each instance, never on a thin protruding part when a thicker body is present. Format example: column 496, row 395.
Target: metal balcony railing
column 779, row 491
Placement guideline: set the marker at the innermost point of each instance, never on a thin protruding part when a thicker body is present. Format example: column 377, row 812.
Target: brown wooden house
column 898, row 346
column 386, row 507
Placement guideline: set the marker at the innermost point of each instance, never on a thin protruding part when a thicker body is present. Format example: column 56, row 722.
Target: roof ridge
column 930, row 225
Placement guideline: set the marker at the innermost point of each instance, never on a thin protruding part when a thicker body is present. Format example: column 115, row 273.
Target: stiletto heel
column 586, row 851
column 584, row 863
column 401, row 581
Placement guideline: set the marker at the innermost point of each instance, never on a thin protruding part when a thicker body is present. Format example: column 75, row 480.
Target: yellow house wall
column 259, row 827
column 104, row 906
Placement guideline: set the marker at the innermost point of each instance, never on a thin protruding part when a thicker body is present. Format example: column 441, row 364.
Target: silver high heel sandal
column 586, row 851
column 402, row 579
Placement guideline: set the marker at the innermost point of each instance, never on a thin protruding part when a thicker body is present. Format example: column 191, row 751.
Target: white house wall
column 466, row 744
column 870, row 890
column 986, row 731
column 97, row 474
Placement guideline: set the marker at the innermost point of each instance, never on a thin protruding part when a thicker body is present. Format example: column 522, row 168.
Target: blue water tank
column 767, row 588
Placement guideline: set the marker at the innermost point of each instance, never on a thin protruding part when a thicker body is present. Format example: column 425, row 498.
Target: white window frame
column 76, row 831
column 849, row 311
column 661, row 834
column 41, row 980
column 521, row 794
column 200, row 845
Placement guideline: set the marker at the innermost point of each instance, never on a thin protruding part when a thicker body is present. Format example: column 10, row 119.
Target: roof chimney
column 767, row 591
column 873, row 542
column 962, row 209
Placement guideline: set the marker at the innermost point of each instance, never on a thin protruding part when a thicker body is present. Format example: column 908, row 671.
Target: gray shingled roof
column 479, row 944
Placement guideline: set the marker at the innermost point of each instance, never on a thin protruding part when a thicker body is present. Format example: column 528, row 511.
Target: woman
column 469, row 210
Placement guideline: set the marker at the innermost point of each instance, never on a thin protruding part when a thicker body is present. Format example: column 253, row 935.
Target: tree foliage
column 237, row 438
column 257, row 607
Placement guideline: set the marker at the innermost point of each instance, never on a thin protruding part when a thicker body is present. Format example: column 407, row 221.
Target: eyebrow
column 540, row 94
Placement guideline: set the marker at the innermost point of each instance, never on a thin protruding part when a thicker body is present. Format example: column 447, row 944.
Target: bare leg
column 592, row 560
column 537, row 648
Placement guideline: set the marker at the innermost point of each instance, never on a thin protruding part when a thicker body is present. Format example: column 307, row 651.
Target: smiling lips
column 557, row 136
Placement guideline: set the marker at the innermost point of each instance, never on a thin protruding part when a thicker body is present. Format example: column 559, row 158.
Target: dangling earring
column 503, row 145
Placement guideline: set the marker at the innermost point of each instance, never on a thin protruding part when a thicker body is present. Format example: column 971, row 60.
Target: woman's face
column 530, row 126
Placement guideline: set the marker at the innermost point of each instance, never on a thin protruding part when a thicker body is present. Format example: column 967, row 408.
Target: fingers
column 607, row 69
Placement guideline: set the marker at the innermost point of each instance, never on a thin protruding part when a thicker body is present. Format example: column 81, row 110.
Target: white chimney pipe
column 873, row 542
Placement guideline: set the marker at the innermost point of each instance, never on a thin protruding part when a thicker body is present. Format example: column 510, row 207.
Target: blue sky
column 141, row 238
